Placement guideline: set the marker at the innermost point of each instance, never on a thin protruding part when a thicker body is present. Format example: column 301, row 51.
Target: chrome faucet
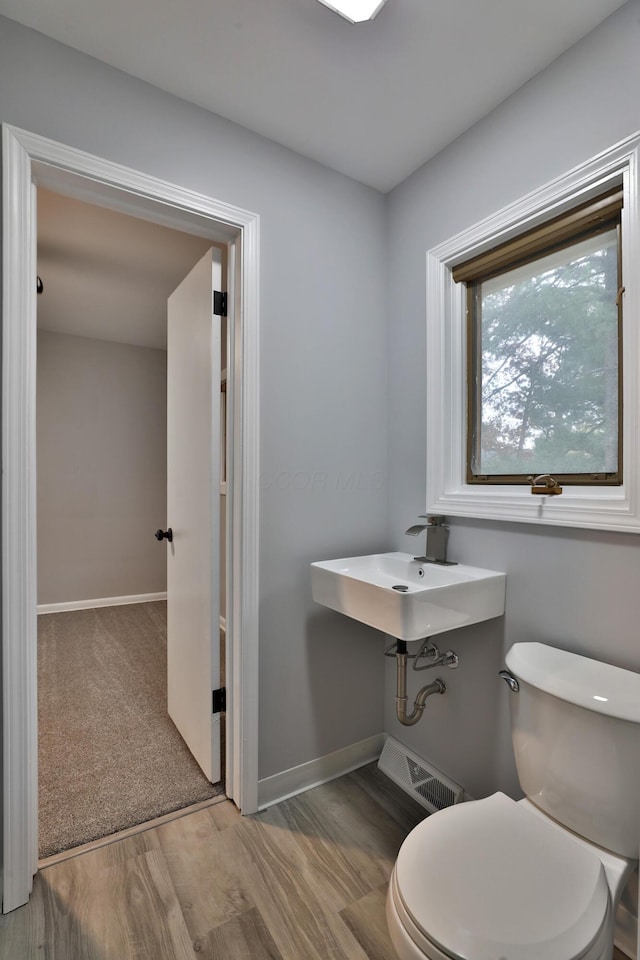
column 437, row 538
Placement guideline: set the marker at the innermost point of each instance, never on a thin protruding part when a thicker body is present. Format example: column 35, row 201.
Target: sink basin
column 431, row 598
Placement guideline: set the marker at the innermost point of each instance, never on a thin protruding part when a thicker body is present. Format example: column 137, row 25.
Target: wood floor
column 305, row 880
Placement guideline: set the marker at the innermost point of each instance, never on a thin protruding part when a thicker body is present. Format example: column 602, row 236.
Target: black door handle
column 164, row 534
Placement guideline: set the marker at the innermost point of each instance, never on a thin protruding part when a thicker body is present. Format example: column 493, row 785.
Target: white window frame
column 607, row 508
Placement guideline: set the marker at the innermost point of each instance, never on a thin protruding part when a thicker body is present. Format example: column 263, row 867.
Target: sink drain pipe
column 438, row 686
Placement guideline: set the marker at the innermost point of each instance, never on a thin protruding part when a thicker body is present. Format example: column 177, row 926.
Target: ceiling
column 372, row 100
column 107, row 275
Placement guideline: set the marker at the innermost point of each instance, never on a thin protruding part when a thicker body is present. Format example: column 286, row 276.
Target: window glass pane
column 548, row 364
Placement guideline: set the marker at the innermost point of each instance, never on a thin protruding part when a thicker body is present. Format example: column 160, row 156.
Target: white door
column 193, row 512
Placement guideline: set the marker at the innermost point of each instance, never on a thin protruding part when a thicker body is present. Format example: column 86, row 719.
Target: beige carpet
column 109, row 756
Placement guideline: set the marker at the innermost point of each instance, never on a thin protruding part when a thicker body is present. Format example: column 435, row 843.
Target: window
column 533, row 354
column 544, row 349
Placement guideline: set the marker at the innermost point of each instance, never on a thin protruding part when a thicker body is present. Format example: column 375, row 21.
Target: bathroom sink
column 405, row 598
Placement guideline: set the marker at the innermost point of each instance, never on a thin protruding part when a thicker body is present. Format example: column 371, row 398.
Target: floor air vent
column 418, row 778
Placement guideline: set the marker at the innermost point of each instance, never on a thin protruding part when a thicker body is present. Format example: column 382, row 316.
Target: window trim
column 594, row 216
column 601, row 506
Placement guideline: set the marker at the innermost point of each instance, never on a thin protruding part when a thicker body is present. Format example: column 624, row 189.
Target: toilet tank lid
column 587, row 683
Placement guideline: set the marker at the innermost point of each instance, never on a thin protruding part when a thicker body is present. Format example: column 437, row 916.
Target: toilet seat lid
column 487, row 879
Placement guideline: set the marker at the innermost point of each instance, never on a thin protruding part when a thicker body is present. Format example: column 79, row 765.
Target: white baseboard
column 296, row 780
column 626, row 932
column 103, row 602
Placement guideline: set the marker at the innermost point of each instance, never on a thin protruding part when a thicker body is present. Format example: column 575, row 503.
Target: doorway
column 109, row 755
column 27, row 160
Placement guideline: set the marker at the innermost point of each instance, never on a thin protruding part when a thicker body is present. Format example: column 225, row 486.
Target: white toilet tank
column 576, row 737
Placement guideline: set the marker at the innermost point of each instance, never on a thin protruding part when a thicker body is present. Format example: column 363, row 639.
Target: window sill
column 583, row 507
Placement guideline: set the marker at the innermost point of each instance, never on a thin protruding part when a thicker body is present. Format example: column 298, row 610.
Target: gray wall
column 323, row 404
column 579, row 589
column 326, row 352
column 102, row 468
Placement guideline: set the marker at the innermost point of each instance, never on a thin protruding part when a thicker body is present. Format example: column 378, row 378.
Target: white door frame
column 27, row 160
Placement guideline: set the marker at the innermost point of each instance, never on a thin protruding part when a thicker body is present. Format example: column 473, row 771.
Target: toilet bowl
column 495, row 880
column 539, row 878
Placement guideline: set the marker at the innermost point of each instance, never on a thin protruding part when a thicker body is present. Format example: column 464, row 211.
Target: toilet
column 539, row 878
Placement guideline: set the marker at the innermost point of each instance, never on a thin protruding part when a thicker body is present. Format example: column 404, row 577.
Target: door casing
column 29, row 159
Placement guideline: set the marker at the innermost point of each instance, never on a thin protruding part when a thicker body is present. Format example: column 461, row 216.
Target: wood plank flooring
column 304, row 880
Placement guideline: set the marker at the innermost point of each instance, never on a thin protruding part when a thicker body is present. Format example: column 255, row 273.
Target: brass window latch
column 545, row 485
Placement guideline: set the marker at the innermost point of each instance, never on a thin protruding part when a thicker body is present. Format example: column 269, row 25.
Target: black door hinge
column 219, row 700
column 219, row 304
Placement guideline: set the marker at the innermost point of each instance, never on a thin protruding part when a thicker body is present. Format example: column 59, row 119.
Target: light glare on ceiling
column 355, row 10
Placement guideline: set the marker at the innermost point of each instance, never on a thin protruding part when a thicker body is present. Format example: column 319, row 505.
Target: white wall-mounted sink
column 432, row 598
